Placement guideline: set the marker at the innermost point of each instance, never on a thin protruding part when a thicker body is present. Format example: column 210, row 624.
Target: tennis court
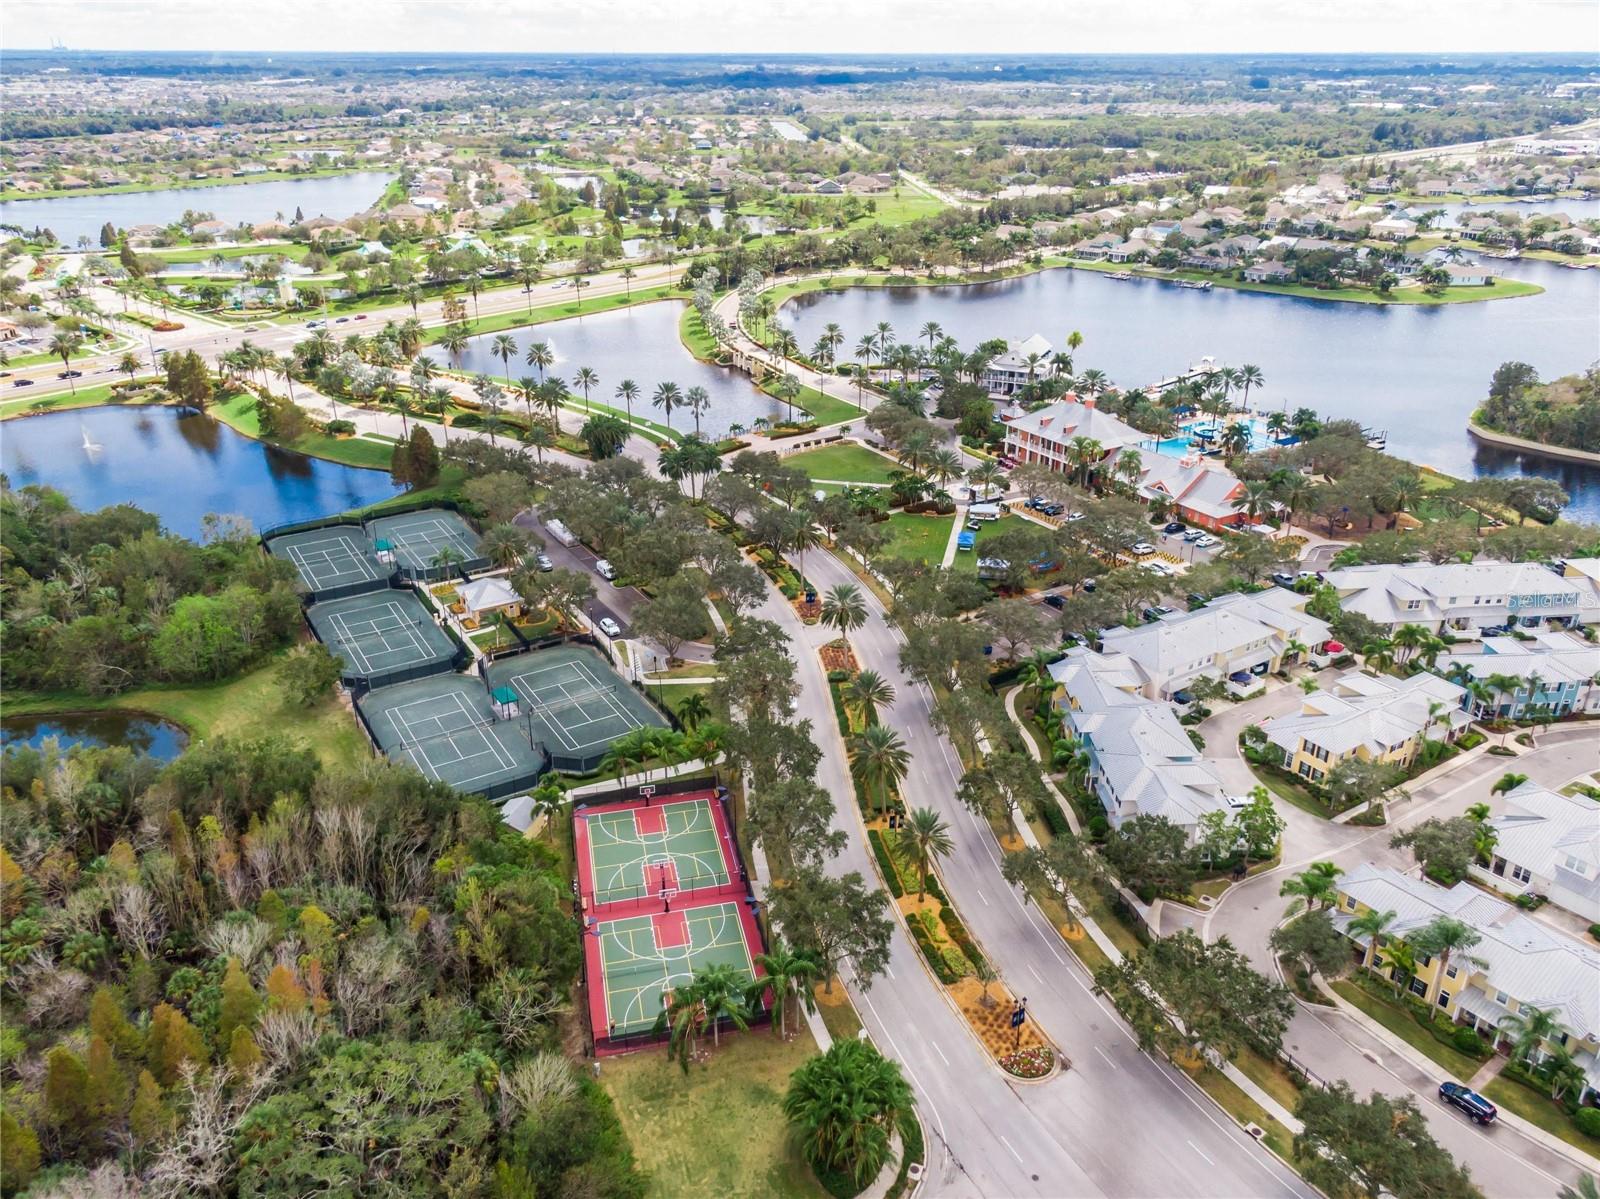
column 577, row 704
column 635, row 853
column 332, row 562
column 444, row 726
column 641, row 958
column 383, row 637
column 418, row 540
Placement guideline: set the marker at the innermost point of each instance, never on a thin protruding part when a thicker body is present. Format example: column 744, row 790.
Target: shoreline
column 1507, row 441
column 130, row 189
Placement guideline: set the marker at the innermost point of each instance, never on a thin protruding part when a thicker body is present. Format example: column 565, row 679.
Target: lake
column 641, row 344
column 71, row 217
column 179, row 465
column 137, row 731
column 1414, row 371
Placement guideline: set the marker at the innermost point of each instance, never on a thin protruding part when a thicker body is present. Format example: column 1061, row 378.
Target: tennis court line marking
column 432, row 533
column 621, row 829
column 714, row 918
column 564, row 731
column 416, row 649
column 310, row 560
column 423, row 758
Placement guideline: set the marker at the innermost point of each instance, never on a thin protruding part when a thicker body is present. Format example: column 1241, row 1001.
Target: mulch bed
column 837, row 655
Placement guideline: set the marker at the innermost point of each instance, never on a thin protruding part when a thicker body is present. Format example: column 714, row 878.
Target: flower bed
column 167, row 326
column 837, row 655
column 1035, row 1062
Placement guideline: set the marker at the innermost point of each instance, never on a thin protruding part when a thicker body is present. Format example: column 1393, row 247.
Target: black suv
column 1475, row 1105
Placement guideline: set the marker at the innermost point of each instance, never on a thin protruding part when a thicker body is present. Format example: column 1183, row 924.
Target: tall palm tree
column 440, row 399
column 866, row 693
column 586, row 378
column 1528, row 1028
column 1249, row 376
column 64, row 346
column 1036, row 674
column 1315, row 885
column 667, row 397
column 721, row 987
column 924, row 837
column 628, row 391
column 504, row 347
column 844, row 1104
column 879, row 759
column 1443, row 937
column 693, row 710
column 681, row 1018
column 844, row 608
column 529, row 389
column 697, row 399
column 540, row 355
column 787, row 973
column 1371, row 924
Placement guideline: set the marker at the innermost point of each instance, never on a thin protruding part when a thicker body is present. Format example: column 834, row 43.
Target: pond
column 71, row 217
column 179, row 465
column 138, row 731
column 641, row 344
column 1416, row 372
column 232, row 266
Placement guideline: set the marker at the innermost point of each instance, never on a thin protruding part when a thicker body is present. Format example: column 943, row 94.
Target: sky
column 809, row 26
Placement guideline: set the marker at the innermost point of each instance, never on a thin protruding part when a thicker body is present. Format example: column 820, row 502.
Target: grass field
column 252, row 705
column 543, row 313
column 1505, row 289
column 719, row 1130
column 1536, row 1109
column 918, row 538
column 692, row 332
column 824, row 409
column 86, row 397
column 1399, row 1022
column 238, row 413
column 847, row 462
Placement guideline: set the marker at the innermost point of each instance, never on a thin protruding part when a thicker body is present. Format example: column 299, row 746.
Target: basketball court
column 644, row 957
column 638, row 853
column 383, row 637
column 332, row 561
column 418, row 539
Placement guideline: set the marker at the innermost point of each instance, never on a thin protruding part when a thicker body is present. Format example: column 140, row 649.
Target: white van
column 984, row 512
column 605, row 570
column 561, row 533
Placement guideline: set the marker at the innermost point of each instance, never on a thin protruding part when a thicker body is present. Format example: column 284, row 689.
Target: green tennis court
column 643, row 957
column 431, row 543
column 333, row 561
column 383, row 636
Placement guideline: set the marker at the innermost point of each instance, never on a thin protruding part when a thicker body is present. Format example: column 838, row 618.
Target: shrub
column 930, row 951
column 1587, row 1121
column 1594, row 931
column 891, row 876
column 1052, row 815
column 959, row 934
column 337, row 428
column 1471, row 740
column 1468, row 1041
column 1099, row 826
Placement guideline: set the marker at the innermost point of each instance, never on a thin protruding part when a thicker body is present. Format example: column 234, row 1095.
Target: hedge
column 1471, row 740
column 930, row 951
column 891, row 876
column 959, row 934
column 1054, row 818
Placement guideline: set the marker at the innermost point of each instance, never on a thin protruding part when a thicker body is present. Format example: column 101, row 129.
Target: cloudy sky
column 805, row 26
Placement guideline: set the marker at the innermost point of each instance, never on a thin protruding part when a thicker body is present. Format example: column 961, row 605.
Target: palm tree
column 540, row 355
column 128, row 364
column 1379, row 654
column 693, row 710
column 1401, row 960
column 697, row 399
column 844, row 1104
column 1036, row 674
column 866, row 693
column 932, row 332
column 667, row 397
column 586, row 378
column 1528, row 1028
column 1249, row 376
column 64, row 346
column 879, row 760
column 985, row 476
column 924, row 837
column 627, row 752
column 1371, row 924
column 504, row 347
column 1442, row 937
column 454, row 340
column 787, row 973
column 1588, row 1188
column 721, row 987
column 628, row 392
column 681, row 1016
column 844, row 608
column 504, row 545
column 1316, row 885
column 1508, row 781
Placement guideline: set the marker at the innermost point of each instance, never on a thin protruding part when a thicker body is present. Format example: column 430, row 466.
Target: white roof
column 1382, row 591
column 1378, row 712
column 1228, row 626
column 1556, row 657
column 1526, row 959
column 491, row 592
column 1065, row 419
column 1547, row 831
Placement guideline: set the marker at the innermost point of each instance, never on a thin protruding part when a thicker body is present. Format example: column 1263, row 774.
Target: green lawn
column 692, row 332
column 543, row 313
column 672, row 696
column 168, row 184
column 238, row 412
column 294, row 250
column 967, row 560
column 85, row 397
column 824, row 409
column 1504, row 289
column 846, row 462
column 1398, row 1021
column 250, row 706
column 916, row 537
column 719, row 1130
column 1536, row 1109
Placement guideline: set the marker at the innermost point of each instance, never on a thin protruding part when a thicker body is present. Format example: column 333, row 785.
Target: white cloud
column 810, row 26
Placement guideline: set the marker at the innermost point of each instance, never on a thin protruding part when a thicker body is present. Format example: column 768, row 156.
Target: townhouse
column 1519, row 962
column 1465, row 599
column 1142, row 762
column 1547, row 843
column 1556, row 673
column 1374, row 718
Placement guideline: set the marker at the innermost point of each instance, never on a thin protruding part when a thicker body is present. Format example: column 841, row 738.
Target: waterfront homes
column 1236, row 637
column 1020, row 365
column 1142, row 762
column 1376, row 718
column 1464, row 599
column 1518, row 962
column 1046, row 437
column 1547, row 843
column 1556, row 673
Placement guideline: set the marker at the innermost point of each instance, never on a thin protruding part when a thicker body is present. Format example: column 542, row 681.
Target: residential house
column 1518, row 961
column 1376, row 718
column 1394, row 228
column 1434, row 187
column 1268, row 272
column 1141, row 760
column 1548, row 844
column 1239, row 637
column 1201, row 491
column 1465, row 599
column 1468, row 276
column 1028, row 360
column 1045, row 437
column 1557, row 672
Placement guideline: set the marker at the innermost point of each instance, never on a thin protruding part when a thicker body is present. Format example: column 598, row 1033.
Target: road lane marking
column 1007, row 1144
column 1107, row 1058
column 1034, row 972
column 940, row 1052
column 982, row 896
column 1198, row 1150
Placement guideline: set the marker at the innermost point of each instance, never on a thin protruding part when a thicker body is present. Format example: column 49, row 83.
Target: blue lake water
column 71, row 217
column 641, row 344
column 179, row 466
column 1415, row 372
column 137, row 731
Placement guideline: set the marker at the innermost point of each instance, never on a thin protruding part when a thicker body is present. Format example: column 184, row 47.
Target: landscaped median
column 946, row 945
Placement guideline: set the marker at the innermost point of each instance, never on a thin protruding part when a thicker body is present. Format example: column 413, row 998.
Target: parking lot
column 610, row 600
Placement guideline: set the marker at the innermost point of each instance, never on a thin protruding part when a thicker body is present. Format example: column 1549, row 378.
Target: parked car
column 1035, row 502
column 610, row 627
column 1195, row 600
column 1055, row 601
column 1155, row 612
column 543, row 562
column 1072, row 516
column 1194, row 534
column 1173, row 526
column 341, row 320
column 1207, row 542
column 361, row 317
column 1284, row 579
column 1088, row 585
column 605, row 570
column 1141, row 549
column 1052, row 509
column 1475, row 1105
